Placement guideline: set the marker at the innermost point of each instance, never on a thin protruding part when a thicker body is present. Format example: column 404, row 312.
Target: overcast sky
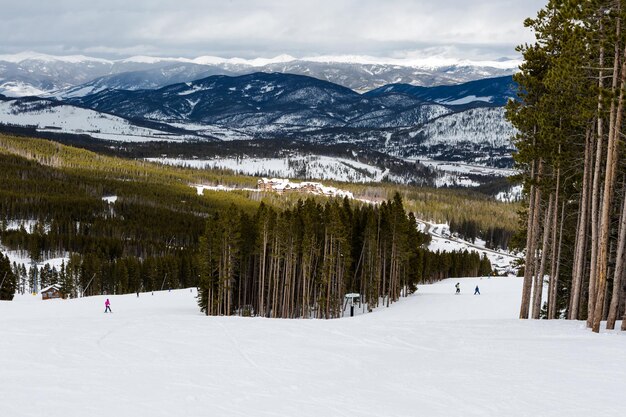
column 474, row 29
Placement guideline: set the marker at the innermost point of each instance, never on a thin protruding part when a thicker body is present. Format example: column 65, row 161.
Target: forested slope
column 127, row 225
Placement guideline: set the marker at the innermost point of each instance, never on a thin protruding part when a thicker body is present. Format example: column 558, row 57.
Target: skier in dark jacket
column 458, row 288
column 477, row 291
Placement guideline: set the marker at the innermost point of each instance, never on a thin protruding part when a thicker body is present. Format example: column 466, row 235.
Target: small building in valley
column 282, row 186
column 51, row 292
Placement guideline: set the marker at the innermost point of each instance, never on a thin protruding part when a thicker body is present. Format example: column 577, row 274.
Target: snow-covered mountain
column 263, row 103
column 400, row 120
column 477, row 136
column 45, row 115
column 69, row 76
column 490, row 91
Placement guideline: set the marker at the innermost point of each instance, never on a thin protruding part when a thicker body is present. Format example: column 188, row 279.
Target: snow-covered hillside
column 435, row 354
column 294, row 166
column 48, row 116
column 503, row 261
column 486, row 126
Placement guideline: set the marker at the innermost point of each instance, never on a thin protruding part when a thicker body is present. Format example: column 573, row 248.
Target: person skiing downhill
column 477, row 291
column 458, row 288
column 107, row 306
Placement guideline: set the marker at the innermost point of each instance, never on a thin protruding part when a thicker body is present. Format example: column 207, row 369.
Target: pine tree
column 8, row 280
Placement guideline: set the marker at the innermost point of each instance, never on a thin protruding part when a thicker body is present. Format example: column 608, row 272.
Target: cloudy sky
column 474, row 29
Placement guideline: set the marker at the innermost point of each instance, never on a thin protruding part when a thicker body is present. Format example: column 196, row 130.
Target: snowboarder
column 458, row 288
column 107, row 306
column 476, row 291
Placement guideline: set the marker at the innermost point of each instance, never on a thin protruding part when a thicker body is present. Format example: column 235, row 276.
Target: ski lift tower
column 352, row 299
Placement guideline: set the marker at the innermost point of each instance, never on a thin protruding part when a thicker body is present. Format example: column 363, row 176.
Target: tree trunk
column 595, row 196
column 619, row 270
column 544, row 253
column 607, row 198
column 530, row 249
column 581, row 232
column 553, row 251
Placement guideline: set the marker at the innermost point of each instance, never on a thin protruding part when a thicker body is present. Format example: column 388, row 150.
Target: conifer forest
column 570, row 142
column 248, row 254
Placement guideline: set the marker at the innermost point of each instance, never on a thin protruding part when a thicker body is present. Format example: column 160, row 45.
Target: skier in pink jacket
column 107, row 306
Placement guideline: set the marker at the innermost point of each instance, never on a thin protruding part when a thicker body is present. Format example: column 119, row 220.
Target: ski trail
column 243, row 354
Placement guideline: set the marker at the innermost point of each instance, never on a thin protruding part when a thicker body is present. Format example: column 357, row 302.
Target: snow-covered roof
column 50, row 287
column 280, row 184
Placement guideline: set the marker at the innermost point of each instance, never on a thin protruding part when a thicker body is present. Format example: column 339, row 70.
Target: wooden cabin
column 51, row 292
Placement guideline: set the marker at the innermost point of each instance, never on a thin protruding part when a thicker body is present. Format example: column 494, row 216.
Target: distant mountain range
column 263, row 102
column 73, row 76
column 463, row 122
column 490, row 91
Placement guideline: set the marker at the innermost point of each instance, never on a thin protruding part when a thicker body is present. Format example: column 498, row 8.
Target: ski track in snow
column 433, row 353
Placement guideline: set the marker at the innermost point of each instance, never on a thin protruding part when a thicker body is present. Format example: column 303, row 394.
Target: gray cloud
column 252, row 28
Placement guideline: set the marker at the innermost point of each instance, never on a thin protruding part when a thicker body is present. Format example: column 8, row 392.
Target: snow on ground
column 513, row 194
column 293, row 166
column 467, row 99
column 469, row 126
column 443, row 240
column 76, row 120
column 220, row 132
column 22, row 257
column 460, row 168
column 27, row 224
column 19, row 89
column 201, row 187
column 432, row 354
column 282, row 185
column 456, row 173
column 446, row 179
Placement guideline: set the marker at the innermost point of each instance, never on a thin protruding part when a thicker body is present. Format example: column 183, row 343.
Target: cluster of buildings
column 281, row 185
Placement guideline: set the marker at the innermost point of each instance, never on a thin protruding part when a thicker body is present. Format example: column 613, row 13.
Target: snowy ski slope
column 433, row 354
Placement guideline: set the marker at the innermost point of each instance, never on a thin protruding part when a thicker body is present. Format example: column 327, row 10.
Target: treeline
column 282, row 256
column 91, row 274
column 571, row 152
column 146, row 240
column 8, row 279
column 494, row 237
column 301, row 262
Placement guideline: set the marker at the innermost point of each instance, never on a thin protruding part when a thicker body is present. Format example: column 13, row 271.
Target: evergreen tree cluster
column 301, row 262
column 569, row 118
column 8, row 280
column 281, row 257
column 494, row 237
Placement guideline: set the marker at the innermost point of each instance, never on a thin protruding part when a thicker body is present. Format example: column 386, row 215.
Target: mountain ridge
column 61, row 76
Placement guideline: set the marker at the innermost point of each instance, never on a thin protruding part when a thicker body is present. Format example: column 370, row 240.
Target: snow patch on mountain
column 70, row 119
column 468, row 99
column 486, row 126
column 19, row 89
column 427, row 62
column 36, row 56
column 293, row 166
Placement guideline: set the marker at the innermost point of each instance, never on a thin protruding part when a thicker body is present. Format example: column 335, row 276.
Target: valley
column 312, row 208
column 277, row 119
